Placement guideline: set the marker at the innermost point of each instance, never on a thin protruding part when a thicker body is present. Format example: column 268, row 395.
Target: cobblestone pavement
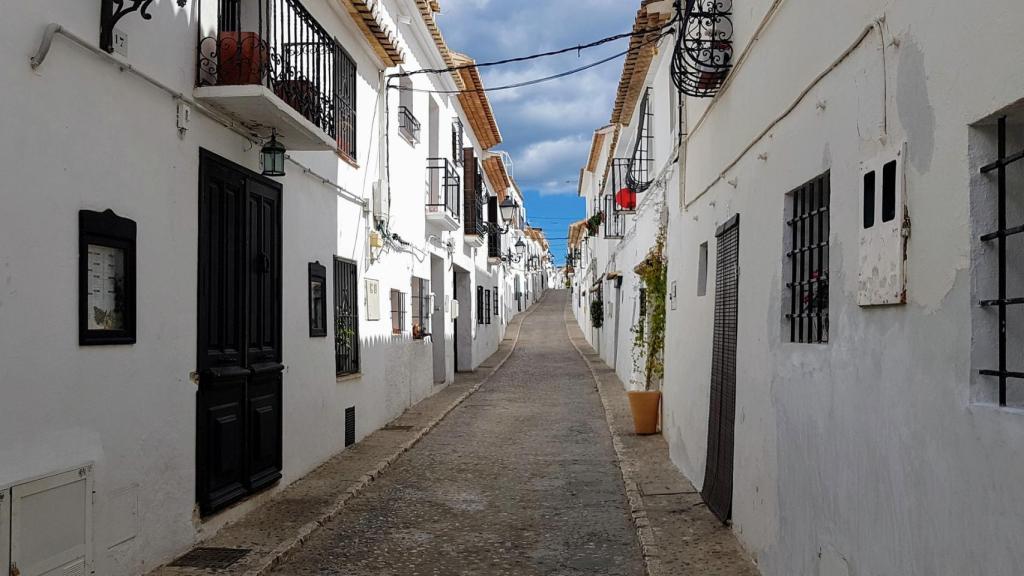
column 521, row 478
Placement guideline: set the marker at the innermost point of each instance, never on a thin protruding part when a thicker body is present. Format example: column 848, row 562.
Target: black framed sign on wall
column 106, row 278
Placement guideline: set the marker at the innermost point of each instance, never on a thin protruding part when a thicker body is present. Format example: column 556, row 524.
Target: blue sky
column 547, row 128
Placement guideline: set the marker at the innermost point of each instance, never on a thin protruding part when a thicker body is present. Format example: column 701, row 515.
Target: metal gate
column 717, row 490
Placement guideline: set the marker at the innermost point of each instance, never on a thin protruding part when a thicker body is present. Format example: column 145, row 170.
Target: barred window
column 420, row 308
column 397, row 312
column 458, row 143
column 487, row 306
column 497, row 313
column 346, row 317
column 346, row 86
column 807, row 251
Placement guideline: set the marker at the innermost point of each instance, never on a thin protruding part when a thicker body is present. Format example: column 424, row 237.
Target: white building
column 839, row 400
column 182, row 336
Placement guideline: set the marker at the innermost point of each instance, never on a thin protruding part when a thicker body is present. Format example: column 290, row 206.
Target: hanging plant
column 597, row 313
column 649, row 332
column 594, row 223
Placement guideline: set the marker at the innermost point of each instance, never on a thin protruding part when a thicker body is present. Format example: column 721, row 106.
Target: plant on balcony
column 649, row 337
column 594, row 223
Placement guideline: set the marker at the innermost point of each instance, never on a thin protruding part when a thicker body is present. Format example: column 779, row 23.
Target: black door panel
column 239, row 348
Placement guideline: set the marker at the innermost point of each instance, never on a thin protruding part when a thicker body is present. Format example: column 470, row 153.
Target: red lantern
column 626, row 199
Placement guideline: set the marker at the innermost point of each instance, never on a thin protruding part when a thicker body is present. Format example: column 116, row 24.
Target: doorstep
column 677, row 532
column 271, row 531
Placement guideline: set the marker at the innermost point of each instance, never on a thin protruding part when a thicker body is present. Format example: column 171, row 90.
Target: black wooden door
column 717, row 489
column 238, row 420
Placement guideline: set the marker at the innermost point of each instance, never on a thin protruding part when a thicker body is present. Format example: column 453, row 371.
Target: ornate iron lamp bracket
column 111, row 11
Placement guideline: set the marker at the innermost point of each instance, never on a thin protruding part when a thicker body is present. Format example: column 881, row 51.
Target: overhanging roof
column 641, row 51
column 475, row 103
column 380, row 38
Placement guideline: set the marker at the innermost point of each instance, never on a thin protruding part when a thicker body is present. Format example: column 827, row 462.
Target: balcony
column 408, row 125
column 443, row 194
column 268, row 64
column 473, row 227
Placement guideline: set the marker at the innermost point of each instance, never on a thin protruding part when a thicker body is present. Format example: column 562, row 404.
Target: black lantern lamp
column 508, row 209
column 520, row 247
column 272, row 155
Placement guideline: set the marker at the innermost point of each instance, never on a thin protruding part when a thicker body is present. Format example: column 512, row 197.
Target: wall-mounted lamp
column 272, row 155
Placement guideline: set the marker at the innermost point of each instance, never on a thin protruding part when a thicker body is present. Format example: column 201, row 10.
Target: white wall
column 867, row 450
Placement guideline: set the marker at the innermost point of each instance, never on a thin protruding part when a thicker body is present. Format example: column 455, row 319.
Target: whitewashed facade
column 876, row 445
column 110, row 432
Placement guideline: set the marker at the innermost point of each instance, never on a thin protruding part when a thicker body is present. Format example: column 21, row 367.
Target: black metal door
column 238, row 420
column 717, row 489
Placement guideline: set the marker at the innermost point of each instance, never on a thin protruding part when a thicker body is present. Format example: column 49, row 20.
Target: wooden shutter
column 717, row 489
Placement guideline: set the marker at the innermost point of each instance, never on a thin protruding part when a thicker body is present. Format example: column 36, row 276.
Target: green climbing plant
column 649, row 331
column 597, row 313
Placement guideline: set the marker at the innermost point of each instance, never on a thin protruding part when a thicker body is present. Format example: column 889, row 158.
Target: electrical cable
column 538, row 80
column 578, row 48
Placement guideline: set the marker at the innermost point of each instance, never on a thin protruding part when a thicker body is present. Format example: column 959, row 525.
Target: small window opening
column 889, row 191
column 702, row 270
column 869, row 200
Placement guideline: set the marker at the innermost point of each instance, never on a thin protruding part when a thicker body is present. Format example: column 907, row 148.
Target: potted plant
column 649, row 339
column 597, row 313
column 594, row 223
column 242, row 58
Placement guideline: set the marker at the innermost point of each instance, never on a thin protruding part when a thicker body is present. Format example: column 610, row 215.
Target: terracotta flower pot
column 241, row 58
column 644, row 406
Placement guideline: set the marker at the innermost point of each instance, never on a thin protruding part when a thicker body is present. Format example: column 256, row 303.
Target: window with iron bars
column 999, row 273
column 497, row 313
column 487, row 306
column 397, row 312
column 346, row 105
column 420, row 308
column 346, row 317
column 639, row 174
column 807, row 252
column 614, row 221
column 458, row 143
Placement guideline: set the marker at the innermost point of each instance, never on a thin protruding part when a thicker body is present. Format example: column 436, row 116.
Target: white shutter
column 51, row 525
column 882, row 267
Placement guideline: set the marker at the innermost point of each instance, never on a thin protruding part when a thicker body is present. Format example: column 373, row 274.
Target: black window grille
column 408, row 125
column 625, row 197
column 487, row 306
column 458, row 143
column 1002, row 235
column 346, row 317
column 808, row 231
column 420, row 308
column 479, row 304
column 397, row 312
column 497, row 312
column 639, row 175
column 614, row 221
column 346, row 105
column 493, row 239
column 443, row 184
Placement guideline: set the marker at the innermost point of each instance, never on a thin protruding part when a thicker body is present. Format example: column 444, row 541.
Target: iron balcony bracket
column 111, row 12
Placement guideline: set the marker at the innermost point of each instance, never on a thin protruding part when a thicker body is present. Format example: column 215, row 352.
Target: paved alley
column 520, row 479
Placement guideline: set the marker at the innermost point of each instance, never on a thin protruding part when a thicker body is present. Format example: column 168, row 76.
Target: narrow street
column 521, row 478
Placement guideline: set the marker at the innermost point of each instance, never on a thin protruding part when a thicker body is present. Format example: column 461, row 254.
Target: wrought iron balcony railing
column 276, row 44
column 443, row 186
column 614, row 221
column 408, row 125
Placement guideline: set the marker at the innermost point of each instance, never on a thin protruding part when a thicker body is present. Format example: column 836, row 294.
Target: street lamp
column 509, row 208
column 518, row 256
column 272, row 154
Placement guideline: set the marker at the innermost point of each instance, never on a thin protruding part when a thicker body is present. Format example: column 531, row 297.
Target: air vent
column 210, row 558
column 350, row 426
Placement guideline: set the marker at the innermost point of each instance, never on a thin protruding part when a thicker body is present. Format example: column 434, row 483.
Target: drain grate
column 210, row 558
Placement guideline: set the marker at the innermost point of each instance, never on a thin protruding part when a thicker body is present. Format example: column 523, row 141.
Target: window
column 487, row 306
column 702, row 270
column 106, row 278
column 479, row 304
column 807, row 241
column 317, row 299
column 346, row 317
column 458, row 142
column 397, row 312
column 889, row 191
column 997, row 206
column 497, row 313
column 346, row 104
column 420, row 308
column 869, row 200
column 408, row 125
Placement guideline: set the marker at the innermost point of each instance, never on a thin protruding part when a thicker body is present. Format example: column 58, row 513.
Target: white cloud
column 552, row 166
